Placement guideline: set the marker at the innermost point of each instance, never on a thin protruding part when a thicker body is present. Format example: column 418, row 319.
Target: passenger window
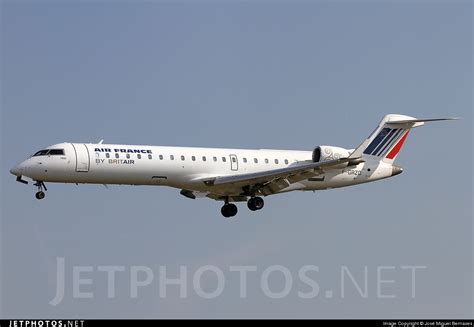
column 139, row 156
column 266, row 161
column 214, row 158
column 172, row 157
column 107, row 155
column 255, row 160
column 286, row 161
column 193, row 158
column 276, row 161
column 128, row 156
column 183, row 158
column 150, row 156
column 161, row 157
column 117, row 155
column 224, row 159
column 234, row 159
column 245, row 160
column 204, row 159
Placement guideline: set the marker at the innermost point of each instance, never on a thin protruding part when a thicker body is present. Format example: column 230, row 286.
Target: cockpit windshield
column 49, row 152
column 40, row 153
column 56, row 152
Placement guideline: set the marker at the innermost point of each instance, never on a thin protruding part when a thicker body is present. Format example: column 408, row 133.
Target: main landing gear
column 255, row 204
column 230, row 209
column 40, row 194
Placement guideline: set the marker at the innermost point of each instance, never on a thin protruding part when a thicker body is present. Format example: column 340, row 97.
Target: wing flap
column 277, row 179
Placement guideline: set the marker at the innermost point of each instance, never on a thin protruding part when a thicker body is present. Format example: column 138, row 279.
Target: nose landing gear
column 40, row 194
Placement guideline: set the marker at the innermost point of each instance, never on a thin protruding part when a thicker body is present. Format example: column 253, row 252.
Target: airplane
column 228, row 175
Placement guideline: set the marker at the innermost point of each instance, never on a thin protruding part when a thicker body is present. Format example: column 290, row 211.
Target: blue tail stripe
column 389, row 135
column 392, row 139
column 377, row 140
column 392, row 142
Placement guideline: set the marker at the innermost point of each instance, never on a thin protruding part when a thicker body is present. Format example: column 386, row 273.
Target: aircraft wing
column 271, row 181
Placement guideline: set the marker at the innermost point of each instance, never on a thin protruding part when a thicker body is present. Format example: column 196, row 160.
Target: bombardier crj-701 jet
column 228, row 175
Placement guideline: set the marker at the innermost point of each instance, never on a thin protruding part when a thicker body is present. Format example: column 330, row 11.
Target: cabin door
column 234, row 162
column 83, row 160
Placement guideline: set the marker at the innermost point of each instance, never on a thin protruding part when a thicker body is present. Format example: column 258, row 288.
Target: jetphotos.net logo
column 46, row 323
column 210, row 282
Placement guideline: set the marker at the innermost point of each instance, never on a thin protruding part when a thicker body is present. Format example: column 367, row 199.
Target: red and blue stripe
column 389, row 139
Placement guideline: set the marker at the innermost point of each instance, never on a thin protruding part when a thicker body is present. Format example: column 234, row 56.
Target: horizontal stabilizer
column 421, row 120
column 388, row 138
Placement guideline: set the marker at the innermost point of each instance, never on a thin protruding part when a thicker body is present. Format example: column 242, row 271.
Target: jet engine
column 324, row 153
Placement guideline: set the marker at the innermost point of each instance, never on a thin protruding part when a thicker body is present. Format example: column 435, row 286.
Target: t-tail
column 385, row 143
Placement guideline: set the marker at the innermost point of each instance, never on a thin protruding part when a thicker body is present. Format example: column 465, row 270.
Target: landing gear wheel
column 255, row 204
column 251, row 204
column 40, row 195
column 229, row 210
column 259, row 203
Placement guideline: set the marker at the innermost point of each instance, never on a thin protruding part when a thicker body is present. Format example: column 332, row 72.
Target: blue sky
column 246, row 75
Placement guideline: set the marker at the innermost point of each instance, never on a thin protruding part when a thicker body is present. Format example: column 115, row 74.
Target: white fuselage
column 182, row 167
column 228, row 175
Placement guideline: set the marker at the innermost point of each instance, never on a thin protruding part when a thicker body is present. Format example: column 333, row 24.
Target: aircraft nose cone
column 15, row 171
column 18, row 170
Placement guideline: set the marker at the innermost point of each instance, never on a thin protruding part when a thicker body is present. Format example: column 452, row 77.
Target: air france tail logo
column 386, row 140
column 397, row 147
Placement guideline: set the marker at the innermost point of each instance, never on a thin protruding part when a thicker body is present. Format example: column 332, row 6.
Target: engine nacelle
column 324, row 153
